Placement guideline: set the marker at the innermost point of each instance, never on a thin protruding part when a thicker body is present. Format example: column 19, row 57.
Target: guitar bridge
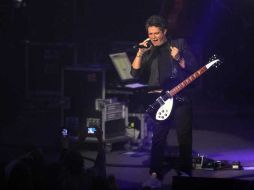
column 160, row 100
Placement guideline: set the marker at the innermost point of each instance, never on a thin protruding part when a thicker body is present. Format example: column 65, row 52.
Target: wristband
column 178, row 57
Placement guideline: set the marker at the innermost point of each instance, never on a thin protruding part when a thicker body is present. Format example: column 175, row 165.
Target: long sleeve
column 135, row 72
column 185, row 51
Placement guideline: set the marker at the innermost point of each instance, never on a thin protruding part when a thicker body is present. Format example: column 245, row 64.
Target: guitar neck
column 187, row 81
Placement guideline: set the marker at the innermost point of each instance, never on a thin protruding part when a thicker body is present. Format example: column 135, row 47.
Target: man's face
column 156, row 35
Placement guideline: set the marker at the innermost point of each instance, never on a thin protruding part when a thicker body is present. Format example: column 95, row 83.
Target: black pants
column 181, row 119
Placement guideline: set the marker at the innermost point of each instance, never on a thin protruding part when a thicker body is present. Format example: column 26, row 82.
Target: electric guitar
column 162, row 106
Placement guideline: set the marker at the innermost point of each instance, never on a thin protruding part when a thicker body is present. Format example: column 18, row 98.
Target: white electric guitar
column 163, row 105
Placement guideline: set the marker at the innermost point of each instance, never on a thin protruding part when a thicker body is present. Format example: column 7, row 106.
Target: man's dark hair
column 156, row 20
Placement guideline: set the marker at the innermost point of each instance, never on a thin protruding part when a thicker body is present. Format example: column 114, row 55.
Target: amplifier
column 113, row 118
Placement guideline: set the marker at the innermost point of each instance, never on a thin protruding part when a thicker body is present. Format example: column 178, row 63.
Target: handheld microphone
column 149, row 43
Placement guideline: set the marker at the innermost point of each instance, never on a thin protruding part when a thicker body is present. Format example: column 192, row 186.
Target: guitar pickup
column 160, row 100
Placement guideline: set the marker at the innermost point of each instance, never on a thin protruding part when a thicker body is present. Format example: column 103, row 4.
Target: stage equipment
column 85, row 87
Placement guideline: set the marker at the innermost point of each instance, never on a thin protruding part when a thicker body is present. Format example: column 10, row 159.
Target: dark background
column 85, row 32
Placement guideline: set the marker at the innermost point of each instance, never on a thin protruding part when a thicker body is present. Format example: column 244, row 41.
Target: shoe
column 152, row 182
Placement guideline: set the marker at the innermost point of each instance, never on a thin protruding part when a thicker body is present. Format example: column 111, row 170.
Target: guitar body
column 165, row 110
column 161, row 108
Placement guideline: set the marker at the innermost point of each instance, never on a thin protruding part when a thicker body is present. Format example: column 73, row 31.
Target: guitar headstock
column 213, row 61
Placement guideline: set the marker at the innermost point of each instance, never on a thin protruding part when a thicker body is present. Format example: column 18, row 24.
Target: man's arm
column 180, row 51
column 175, row 53
column 137, row 62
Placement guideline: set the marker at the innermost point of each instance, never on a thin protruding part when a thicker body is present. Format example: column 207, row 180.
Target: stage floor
column 131, row 167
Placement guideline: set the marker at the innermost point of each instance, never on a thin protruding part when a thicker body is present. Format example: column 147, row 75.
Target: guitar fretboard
column 187, row 81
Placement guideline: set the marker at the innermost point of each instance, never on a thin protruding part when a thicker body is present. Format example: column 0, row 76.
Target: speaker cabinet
column 82, row 86
column 44, row 67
